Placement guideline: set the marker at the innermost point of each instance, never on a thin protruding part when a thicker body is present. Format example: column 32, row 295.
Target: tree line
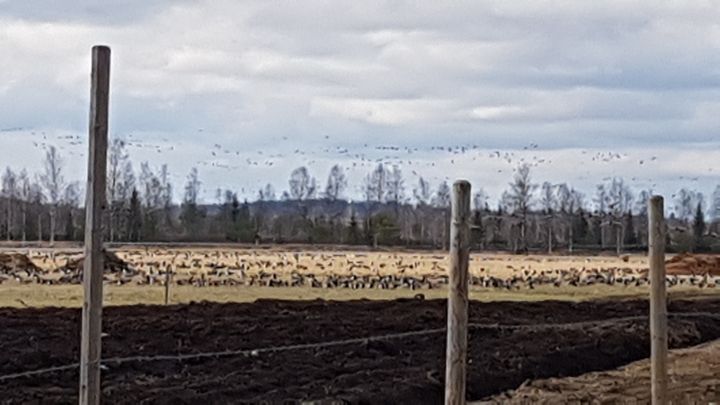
column 529, row 216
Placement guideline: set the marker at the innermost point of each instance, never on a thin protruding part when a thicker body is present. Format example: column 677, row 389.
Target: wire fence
column 351, row 341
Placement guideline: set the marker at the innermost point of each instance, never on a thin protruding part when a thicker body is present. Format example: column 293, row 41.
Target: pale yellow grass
column 30, row 295
column 200, row 260
column 339, row 262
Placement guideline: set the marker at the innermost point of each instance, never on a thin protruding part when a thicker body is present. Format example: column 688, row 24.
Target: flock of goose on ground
column 314, row 270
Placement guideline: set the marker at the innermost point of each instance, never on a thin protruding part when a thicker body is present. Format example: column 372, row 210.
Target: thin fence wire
column 351, row 341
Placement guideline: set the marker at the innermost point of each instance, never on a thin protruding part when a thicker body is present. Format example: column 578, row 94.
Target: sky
column 246, row 91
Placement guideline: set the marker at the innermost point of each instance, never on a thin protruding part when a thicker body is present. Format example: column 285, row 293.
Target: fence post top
column 656, row 198
column 101, row 48
column 462, row 184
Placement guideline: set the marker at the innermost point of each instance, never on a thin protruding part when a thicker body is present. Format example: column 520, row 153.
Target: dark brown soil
column 409, row 370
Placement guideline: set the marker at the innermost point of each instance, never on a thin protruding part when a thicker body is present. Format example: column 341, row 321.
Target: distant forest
column 530, row 216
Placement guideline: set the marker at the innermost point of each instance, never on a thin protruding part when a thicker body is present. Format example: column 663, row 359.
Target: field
column 361, row 327
column 402, row 369
column 694, row 379
column 221, row 274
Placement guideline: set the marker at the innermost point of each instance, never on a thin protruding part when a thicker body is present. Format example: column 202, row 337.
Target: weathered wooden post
column 658, row 301
column 168, row 272
column 94, row 209
column 456, row 359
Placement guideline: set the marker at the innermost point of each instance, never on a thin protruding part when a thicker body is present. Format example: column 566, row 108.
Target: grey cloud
column 94, row 12
column 495, row 74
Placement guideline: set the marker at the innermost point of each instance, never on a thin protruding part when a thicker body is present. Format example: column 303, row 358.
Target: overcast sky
column 248, row 90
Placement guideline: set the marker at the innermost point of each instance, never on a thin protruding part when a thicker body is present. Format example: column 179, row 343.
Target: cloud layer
column 291, row 79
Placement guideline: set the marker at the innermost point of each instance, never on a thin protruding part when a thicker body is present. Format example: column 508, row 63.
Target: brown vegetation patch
column 686, row 264
column 10, row 262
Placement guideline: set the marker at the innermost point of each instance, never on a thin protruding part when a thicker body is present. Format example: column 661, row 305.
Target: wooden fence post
column 658, row 301
column 456, row 359
column 94, row 208
column 168, row 272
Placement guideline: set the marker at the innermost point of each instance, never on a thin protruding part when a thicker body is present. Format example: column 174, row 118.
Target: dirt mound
column 686, row 264
column 10, row 262
column 113, row 264
column 694, row 379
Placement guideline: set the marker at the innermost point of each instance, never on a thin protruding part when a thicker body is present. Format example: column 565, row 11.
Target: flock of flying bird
column 419, row 161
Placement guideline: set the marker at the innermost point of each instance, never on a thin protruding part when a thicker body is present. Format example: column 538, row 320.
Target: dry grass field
column 202, row 260
column 243, row 275
column 21, row 296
